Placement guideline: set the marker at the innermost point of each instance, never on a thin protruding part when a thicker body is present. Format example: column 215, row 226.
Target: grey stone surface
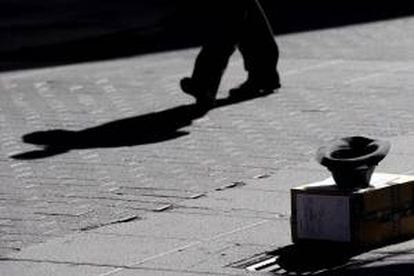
column 243, row 157
column 48, row 269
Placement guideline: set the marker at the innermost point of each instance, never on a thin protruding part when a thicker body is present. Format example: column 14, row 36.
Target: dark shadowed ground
column 37, row 34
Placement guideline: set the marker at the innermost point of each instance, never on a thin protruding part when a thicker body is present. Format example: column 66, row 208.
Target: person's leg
column 211, row 62
column 222, row 36
column 259, row 50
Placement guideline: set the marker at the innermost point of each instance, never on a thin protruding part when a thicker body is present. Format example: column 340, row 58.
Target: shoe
column 253, row 87
column 205, row 98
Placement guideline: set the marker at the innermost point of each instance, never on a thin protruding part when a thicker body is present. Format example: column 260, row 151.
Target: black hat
column 354, row 151
column 352, row 160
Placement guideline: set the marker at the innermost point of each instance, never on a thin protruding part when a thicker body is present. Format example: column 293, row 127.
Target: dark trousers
column 231, row 24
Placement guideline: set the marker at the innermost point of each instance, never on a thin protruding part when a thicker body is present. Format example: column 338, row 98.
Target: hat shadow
column 340, row 259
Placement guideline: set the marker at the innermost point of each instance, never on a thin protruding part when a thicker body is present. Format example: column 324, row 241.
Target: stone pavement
column 220, row 233
column 203, row 195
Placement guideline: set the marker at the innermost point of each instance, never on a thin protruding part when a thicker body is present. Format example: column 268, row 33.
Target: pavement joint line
column 9, row 259
column 366, row 77
column 181, row 248
column 408, row 172
column 126, row 267
column 377, row 74
column 311, row 67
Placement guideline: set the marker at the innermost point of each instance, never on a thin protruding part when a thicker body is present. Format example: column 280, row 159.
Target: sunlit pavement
column 202, row 193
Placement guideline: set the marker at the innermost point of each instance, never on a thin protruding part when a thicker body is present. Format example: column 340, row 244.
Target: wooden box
column 370, row 216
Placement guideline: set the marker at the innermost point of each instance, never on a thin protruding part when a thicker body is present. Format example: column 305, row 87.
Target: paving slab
column 48, row 269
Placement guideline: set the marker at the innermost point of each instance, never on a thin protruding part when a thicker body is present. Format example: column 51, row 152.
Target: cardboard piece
column 378, row 214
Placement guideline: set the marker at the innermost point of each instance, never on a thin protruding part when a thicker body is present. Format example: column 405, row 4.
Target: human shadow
column 333, row 259
column 398, row 269
column 311, row 258
column 139, row 130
